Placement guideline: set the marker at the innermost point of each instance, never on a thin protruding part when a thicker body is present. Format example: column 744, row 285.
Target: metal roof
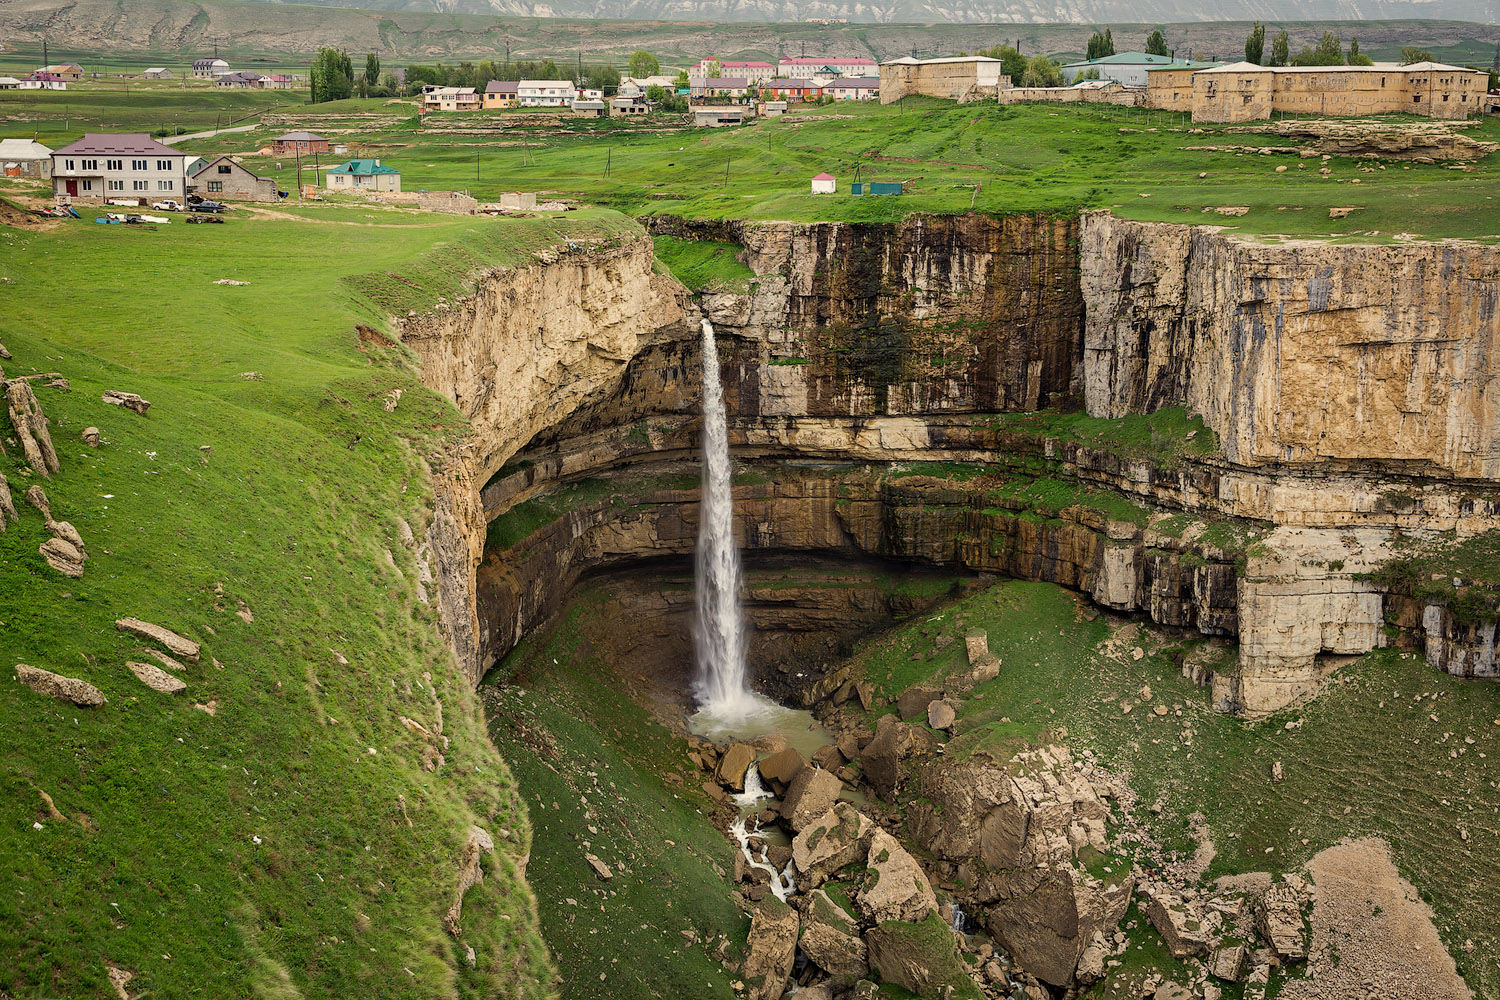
column 364, row 168
column 118, row 143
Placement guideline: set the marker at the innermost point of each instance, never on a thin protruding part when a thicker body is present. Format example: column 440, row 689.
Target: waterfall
column 782, row 883
column 755, row 789
column 721, row 630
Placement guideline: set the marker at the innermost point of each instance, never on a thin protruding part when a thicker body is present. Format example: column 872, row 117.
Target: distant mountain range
column 956, row 11
column 728, row 28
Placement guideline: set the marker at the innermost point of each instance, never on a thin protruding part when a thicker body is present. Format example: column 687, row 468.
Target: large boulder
column 781, row 768
column 883, row 759
column 1013, row 830
column 839, row 837
column 896, row 887
column 770, row 949
column 1279, row 920
column 1048, row 917
column 71, row 689
column 732, row 766
column 811, row 794
column 1180, row 922
column 913, row 702
column 921, row 958
column 830, row 939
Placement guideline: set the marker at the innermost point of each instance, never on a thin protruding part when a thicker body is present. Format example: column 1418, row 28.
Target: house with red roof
column 824, row 184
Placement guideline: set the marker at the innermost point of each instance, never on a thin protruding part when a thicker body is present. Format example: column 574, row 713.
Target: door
column 72, row 188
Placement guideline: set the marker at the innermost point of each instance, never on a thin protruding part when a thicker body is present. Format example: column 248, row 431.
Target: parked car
column 167, row 205
column 211, row 207
column 204, row 218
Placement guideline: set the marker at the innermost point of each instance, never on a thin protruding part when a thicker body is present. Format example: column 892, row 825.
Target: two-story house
column 545, row 93
column 119, row 165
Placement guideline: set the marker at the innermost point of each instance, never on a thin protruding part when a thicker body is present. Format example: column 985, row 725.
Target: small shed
column 158, row 73
column 875, row 187
column 825, row 184
column 590, row 109
column 299, row 142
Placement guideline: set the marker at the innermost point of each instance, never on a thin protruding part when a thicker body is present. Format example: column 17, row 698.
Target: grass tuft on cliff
column 289, row 842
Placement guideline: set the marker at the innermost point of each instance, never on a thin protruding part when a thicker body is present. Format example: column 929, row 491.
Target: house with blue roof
column 1126, row 68
column 363, row 175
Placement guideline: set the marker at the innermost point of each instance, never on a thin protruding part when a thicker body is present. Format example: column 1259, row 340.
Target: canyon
column 1287, row 447
column 1268, row 424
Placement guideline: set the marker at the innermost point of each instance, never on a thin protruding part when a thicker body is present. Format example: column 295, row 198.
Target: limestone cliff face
column 1299, row 353
column 534, row 345
column 527, row 350
column 913, row 520
column 930, row 315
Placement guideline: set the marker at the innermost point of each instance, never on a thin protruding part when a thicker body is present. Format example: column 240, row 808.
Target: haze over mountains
column 957, row 11
column 935, row 28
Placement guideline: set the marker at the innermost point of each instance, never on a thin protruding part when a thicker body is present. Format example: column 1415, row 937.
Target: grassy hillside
column 288, row 843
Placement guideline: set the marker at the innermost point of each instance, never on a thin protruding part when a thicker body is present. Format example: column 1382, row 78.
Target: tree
column 1280, row 49
column 1411, row 55
column 372, row 71
column 1156, row 44
column 1101, row 44
column 1330, row 50
column 643, row 64
column 332, row 76
column 1041, row 72
column 682, row 79
column 1495, row 63
column 1012, row 63
column 1356, row 57
column 601, row 77
column 1255, row 45
column 656, row 93
column 1092, row 73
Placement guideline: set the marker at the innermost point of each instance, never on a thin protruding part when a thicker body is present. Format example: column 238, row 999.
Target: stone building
column 961, row 78
column 1244, row 91
column 224, row 179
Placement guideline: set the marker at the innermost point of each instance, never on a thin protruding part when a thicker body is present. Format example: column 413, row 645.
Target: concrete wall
column 1232, row 97
column 1126, row 97
column 1170, row 89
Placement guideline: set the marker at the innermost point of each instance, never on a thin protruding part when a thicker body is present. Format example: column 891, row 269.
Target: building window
column 91, row 164
column 163, row 164
column 89, row 185
column 68, row 165
column 137, row 164
column 115, row 185
column 138, row 185
column 215, row 186
column 111, row 164
column 164, row 185
column 224, row 168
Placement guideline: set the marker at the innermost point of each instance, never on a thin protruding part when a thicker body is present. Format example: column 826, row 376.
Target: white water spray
column 721, row 629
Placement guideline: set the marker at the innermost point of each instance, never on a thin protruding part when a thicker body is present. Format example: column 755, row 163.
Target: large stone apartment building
column 957, row 77
column 119, row 165
column 1243, row 91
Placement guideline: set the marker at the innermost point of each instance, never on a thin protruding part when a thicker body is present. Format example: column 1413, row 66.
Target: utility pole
column 299, row 173
column 727, row 161
column 476, row 166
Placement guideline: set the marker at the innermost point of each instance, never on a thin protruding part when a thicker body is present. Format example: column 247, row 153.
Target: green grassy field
column 1391, row 748
column 290, row 844
column 1031, row 158
column 600, row 776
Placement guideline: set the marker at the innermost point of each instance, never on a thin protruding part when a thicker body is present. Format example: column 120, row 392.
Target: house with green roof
column 363, row 175
column 1126, row 68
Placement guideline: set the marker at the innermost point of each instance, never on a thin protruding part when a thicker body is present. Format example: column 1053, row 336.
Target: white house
column 25, row 158
column 119, row 165
column 824, row 184
column 9, row 83
column 800, row 67
column 158, row 73
column 545, row 93
column 210, row 69
column 752, row 71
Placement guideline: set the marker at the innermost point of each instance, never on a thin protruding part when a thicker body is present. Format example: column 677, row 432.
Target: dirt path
column 1372, row 935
